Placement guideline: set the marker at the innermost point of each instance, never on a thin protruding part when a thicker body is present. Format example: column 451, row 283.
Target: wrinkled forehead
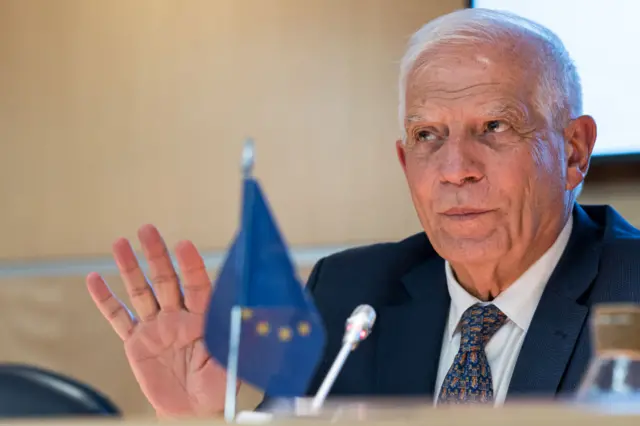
column 450, row 76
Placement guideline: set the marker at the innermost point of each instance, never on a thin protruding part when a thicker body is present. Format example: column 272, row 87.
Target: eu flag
column 281, row 336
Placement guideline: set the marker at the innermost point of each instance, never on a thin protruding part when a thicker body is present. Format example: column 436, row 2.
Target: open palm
column 164, row 343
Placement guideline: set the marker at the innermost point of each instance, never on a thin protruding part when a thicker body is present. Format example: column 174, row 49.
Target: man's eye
column 495, row 126
column 425, row 136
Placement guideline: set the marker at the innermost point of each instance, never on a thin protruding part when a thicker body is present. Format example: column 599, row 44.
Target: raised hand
column 163, row 342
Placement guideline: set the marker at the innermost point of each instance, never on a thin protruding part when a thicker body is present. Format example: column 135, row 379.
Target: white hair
column 559, row 93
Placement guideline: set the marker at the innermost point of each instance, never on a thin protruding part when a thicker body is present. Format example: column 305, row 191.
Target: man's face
column 487, row 172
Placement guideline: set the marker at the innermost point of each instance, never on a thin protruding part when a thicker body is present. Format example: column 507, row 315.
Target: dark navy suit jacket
column 405, row 283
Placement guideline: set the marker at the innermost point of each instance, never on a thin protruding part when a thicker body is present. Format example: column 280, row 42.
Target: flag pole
column 248, row 158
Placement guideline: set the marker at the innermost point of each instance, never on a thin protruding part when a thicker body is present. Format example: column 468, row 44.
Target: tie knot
column 478, row 324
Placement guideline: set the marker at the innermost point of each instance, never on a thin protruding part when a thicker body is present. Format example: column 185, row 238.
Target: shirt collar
column 520, row 300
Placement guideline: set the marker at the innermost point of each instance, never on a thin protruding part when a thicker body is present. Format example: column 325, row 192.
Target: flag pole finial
column 248, row 157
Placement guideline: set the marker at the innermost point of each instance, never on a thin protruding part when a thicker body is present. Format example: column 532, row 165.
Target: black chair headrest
column 29, row 391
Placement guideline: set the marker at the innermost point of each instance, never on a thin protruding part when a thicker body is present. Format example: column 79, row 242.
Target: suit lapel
column 410, row 333
column 559, row 318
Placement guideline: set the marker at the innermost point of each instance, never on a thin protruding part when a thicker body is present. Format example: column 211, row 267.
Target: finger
column 140, row 293
column 110, row 307
column 196, row 284
column 162, row 274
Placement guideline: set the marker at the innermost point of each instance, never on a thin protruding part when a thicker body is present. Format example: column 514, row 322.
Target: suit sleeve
column 310, row 287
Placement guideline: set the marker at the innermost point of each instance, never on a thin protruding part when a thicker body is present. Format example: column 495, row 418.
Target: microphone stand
column 359, row 327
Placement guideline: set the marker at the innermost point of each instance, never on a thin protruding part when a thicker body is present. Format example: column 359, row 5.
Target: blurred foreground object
column 27, row 391
column 261, row 324
column 612, row 382
column 415, row 410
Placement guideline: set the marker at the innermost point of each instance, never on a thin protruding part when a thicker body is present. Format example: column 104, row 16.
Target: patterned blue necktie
column 469, row 378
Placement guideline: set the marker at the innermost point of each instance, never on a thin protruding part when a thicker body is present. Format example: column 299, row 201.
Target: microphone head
column 360, row 323
column 364, row 314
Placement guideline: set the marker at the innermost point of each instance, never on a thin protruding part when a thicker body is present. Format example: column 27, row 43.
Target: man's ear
column 580, row 137
column 402, row 154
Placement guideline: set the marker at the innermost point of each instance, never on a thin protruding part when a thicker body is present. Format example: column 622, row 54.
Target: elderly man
column 492, row 300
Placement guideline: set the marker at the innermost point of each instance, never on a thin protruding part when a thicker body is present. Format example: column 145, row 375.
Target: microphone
column 358, row 328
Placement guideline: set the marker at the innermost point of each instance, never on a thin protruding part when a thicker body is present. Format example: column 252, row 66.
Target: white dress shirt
column 518, row 302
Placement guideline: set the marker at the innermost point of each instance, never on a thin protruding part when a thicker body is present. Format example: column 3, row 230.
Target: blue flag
column 282, row 336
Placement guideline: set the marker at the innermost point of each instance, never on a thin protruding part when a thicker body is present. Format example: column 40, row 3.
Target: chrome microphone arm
column 358, row 328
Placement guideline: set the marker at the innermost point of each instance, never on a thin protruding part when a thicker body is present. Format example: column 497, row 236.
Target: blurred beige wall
column 120, row 112
column 115, row 113
column 623, row 194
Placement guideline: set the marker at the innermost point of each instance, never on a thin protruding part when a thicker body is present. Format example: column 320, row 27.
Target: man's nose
column 458, row 162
